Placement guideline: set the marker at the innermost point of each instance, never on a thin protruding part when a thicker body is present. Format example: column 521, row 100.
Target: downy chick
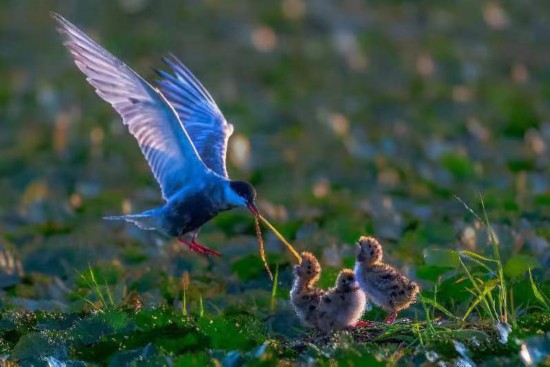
column 382, row 283
column 343, row 305
column 305, row 296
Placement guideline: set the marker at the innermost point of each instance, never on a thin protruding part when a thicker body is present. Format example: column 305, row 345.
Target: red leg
column 198, row 248
column 391, row 318
column 362, row 323
column 203, row 249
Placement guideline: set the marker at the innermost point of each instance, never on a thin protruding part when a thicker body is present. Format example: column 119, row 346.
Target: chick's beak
column 252, row 207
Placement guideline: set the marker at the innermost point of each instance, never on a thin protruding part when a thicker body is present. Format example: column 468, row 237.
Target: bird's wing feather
column 198, row 112
column 149, row 116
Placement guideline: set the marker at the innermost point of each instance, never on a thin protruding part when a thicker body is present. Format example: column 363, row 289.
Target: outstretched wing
column 148, row 115
column 198, row 112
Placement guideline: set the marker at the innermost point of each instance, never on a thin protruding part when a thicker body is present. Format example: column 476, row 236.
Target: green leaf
column 461, row 167
column 452, row 290
column 135, row 356
column 468, row 335
column 36, row 345
column 441, row 257
column 101, row 324
column 328, row 277
column 431, row 272
column 227, row 332
column 542, row 199
column 521, row 113
column 251, row 266
column 519, row 265
column 195, row 359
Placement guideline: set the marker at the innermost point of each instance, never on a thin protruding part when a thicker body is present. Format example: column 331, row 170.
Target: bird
column 382, row 283
column 305, row 295
column 182, row 134
column 341, row 307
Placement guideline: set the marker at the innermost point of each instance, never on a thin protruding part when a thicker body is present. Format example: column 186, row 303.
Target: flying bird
column 181, row 132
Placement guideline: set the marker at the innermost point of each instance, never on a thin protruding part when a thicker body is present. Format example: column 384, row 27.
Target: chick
column 382, row 283
column 304, row 295
column 343, row 305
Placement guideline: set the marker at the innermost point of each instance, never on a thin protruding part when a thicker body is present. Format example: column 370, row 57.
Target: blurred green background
column 350, row 117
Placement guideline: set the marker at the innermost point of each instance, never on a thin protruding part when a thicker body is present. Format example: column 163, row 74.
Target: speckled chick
column 304, row 295
column 382, row 283
column 343, row 305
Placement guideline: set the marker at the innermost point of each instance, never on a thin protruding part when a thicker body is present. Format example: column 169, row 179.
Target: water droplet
column 432, row 356
column 503, row 330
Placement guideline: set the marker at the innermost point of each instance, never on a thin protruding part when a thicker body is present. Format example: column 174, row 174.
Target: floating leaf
column 441, row 258
column 141, row 355
column 519, row 265
column 35, row 345
column 101, row 324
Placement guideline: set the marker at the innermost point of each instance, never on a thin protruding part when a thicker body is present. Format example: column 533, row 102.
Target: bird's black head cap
column 244, row 189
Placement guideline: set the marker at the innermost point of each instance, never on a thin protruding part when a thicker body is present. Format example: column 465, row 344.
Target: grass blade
column 477, row 256
column 494, row 241
column 201, row 306
column 437, row 306
column 538, row 294
column 479, row 263
column 477, row 290
column 274, row 288
column 489, row 286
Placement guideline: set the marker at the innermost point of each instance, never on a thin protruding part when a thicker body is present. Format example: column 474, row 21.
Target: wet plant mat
column 163, row 336
column 441, row 341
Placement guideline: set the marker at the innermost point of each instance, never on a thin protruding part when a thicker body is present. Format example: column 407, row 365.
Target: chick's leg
column 391, row 318
column 361, row 323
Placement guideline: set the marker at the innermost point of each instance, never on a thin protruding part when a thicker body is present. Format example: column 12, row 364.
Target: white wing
column 198, row 112
column 149, row 117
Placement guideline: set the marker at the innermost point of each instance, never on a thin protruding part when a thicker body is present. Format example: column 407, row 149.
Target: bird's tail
column 146, row 220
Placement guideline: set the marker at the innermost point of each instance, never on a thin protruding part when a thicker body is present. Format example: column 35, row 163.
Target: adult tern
column 181, row 132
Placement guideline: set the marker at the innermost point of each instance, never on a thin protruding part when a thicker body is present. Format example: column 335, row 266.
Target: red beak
column 253, row 209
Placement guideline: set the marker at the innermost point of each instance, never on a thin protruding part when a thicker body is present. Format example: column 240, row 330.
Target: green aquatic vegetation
column 543, row 299
column 98, row 285
column 117, row 335
column 459, row 166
